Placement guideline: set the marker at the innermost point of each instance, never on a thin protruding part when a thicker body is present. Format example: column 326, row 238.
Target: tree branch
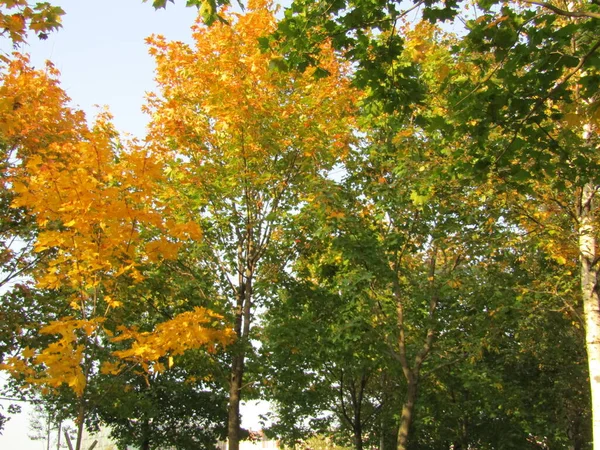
column 563, row 12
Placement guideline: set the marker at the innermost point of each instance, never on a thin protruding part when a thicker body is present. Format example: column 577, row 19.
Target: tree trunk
column 58, row 437
column 233, row 422
column 382, row 435
column 145, row 444
column 48, row 429
column 358, row 442
column 357, row 406
column 591, row 305
column 80, row 423
column 407, row 412
column 412, row 374
column 382, row 418
column 242, row 331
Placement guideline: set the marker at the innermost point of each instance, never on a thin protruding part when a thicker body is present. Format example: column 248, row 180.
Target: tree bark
column 357, row 402
column 591, row 304
column 358, row 442
column 411, row 374
column 242, row 331
column 80, row 423
column 407, row 412
column 235, row 387
column 145, row 444
column 58, row 437
column 48, row 428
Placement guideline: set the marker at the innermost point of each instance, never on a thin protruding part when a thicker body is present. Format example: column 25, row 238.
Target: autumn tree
column 183, row 403
column 89, row 196
column 247, row 142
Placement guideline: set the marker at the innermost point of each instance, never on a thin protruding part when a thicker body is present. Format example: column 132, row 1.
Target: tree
column 523, row 380
column 325, row 370
column 533, row 66
column 43, row 421
column 182, row 401
column 171, row 409
column 92, row 234
column 246, row 143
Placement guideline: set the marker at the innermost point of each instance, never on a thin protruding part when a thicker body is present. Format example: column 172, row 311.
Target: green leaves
column 157, row 4
column 208, row 9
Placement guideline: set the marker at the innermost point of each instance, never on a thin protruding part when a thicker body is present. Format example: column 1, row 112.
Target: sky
column 103, row 60
column 101, row 53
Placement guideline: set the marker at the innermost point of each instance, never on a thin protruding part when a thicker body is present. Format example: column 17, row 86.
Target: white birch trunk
column 591, row 304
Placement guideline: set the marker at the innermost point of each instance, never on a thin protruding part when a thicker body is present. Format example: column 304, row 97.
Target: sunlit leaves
column 244, row 136
column 17, row 17
column 96, row 203
column 248, row 140
column 92, row 195
column 61, row 362
column 189, row 330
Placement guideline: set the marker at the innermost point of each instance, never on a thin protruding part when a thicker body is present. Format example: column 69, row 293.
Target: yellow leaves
column 70, row 223
column 62, row 360
column 420, row 41
column 336, row 215
column 443, row 72
column 454, row 284
column 49, row 239
column 67, row 327
column 37, row 114
column 560, row 259
column 560, row 251
column 17, row 368
column 230, row 94
column 161, row 249
column 418, row 199
column 188, row 230
column 112, row 303
column 110, row 368
column 189, row 330
column 93, row 195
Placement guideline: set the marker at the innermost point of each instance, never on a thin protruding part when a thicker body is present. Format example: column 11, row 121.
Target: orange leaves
column 223, row 99
column 161, row 249
column 93, row 195
column 86, row 207
column 62, row 360
column 189, row 330
column 100, row 212
column 33, row 109
column 226, row 125
column 65, row 361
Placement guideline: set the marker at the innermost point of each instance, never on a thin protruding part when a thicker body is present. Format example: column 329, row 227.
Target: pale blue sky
column 102, row 57
column 103, row 60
